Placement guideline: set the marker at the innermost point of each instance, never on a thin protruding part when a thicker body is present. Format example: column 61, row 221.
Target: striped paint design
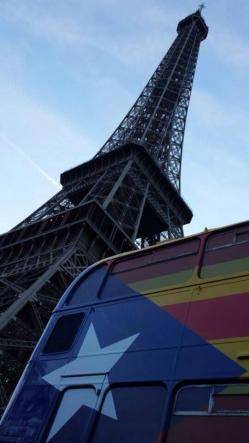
column 215, row 305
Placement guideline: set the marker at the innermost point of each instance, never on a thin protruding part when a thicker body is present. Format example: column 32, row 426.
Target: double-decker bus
column 145, row 347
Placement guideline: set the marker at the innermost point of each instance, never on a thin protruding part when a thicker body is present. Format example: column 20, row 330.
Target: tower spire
column 157, row 119
column 201, row 7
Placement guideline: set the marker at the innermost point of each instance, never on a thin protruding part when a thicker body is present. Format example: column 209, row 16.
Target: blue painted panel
column 139, row 415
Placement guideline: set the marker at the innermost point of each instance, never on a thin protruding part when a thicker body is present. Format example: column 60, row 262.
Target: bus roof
column 206, row 231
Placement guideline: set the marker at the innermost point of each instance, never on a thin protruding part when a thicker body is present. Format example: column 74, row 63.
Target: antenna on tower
column 201, row 7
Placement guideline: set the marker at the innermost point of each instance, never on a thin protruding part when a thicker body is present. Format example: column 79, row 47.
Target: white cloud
column 135, row 34
column 41, row 128
column 79, row 25
column 9, row 143
column 51, row 144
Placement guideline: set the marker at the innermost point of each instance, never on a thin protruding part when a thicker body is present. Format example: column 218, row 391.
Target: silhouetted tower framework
column 128, row 194
column 157, row 119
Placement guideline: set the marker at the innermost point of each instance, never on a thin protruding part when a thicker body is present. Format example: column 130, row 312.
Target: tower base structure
column 109, row 205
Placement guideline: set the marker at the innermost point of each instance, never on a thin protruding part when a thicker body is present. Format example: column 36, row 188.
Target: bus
column 149, row 346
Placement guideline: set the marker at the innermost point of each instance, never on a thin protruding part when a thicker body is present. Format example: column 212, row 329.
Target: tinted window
column 74, row 411
column 131, row 414
column 171, row 264
column 63, row 333
column 226, row 252
column 210, row 414
column 194, row 399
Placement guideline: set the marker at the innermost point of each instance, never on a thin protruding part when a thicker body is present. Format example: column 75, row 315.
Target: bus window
column 171, row 264
column 122, row 273
column 210, row 414
column 226, row 253
column 137, row 415
column 73, row 407
column 194, row 399
column 63, row 333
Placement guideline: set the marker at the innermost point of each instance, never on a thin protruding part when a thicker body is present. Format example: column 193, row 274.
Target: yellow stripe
column 236, row 389
column 197, row 293
column 202, row 288
column 172, row 297
column 159, row 283
column 233, row 348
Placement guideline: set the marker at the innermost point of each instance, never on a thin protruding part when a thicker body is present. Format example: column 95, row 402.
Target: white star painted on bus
column 91, row 366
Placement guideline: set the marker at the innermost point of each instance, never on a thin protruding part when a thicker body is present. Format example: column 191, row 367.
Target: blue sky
column 71, row 69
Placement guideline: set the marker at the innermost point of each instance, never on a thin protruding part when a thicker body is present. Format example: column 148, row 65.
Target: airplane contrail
column 41, row 171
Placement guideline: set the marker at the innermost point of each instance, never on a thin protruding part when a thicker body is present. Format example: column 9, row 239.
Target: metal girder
column 11, row 285
column 47, row 298
column 158, row 117
column 29, row 293
column 8, row 343
column 117, row 184
column 3, row 397
column 140, row 214
column 103, row 206
column 38, row 320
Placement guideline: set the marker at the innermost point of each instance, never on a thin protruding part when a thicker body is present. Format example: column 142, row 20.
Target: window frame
column 209, row 412
column 130, row 384
column 152, row 260
column 235, row 232
column 56, row 406
column 57, row 319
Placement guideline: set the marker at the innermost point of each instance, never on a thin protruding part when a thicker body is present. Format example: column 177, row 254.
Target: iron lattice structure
column 158, row 117
column 129, row 191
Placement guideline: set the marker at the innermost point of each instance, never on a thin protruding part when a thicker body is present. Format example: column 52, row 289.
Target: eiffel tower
column 126, row 197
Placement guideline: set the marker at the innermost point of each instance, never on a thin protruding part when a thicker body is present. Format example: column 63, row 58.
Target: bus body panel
column 138, row 338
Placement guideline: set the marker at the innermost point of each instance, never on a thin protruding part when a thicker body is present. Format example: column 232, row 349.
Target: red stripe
column 208, row 429
column 216, row 318
column 159, row 269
